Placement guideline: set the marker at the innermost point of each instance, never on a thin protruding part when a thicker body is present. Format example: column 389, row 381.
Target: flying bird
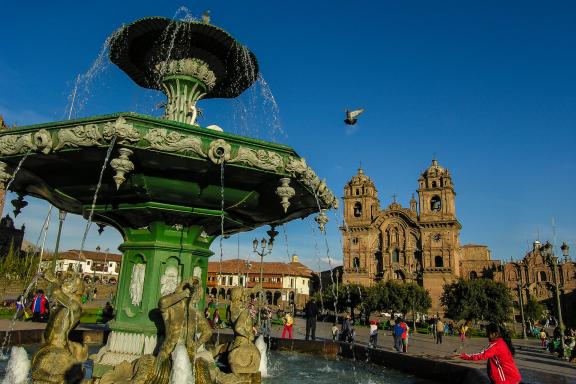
column 351, row 116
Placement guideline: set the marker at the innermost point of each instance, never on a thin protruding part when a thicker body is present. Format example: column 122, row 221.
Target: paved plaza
column 529, row 355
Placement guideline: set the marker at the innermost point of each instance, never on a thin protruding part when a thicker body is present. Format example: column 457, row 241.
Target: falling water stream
column 7, row 335
column 95, row 197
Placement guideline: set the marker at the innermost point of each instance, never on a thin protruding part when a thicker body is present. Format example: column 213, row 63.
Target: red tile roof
column 72, row 254
column 253, row 267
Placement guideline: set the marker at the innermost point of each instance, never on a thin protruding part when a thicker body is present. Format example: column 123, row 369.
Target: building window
column 433, row 184
column 438, row 262
column 354, row 240
column 357, row 191
column 357, row 209
column 473, row 275
column 543, row 276
column 396, row 256
column 356, row 263
column 435, row 204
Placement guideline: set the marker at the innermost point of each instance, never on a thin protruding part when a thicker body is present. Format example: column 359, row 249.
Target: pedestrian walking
column 405, row 336
column 265, row 321
column 346, row 328
column 434, row 328
column 20, row 307
column 397, row 332
column 543, row 337
column 39, row 307
column 440, row 332
column 288, row 321
column 216, row 318
column 311, row 312
column 107, row 312
column 499, row 353
column 463, row 330
column 372, row 343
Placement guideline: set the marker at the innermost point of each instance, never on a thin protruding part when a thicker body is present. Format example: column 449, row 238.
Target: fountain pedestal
column 149, row 254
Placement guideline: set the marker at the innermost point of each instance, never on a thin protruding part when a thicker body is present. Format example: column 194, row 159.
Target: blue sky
column 487, row 87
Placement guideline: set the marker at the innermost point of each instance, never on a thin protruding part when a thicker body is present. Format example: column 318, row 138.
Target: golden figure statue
column 59, row 360
column 243, row 356
column 183, row 321
column 185, row 326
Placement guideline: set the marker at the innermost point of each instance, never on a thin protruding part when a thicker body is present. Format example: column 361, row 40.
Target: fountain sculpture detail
column 163, row 190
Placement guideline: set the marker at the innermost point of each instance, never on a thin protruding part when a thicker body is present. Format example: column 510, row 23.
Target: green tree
column 533, row 310
column 477, row 299
column 399, row 297
column 394, row 296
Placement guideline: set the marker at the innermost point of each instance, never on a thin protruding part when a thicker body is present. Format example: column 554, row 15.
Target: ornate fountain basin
column 172, row 173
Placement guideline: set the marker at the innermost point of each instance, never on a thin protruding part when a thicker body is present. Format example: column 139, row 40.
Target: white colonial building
column 282, row 283
column 101, row 266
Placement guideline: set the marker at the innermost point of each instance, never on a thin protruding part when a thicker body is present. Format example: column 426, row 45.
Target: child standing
column 463, row 330
column 373, row 334
column 335, row 332
column 288, row 321
column 543, row 337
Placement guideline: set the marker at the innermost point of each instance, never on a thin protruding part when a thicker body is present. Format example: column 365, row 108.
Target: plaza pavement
column 529, row 355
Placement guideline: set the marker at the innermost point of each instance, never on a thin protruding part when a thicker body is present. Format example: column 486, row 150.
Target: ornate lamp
column 565, row 251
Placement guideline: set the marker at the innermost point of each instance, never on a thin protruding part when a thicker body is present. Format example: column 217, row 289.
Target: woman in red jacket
column 501, row 366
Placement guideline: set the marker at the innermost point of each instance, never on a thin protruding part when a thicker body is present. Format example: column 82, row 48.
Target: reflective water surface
column 298, row 368
column 292, row 367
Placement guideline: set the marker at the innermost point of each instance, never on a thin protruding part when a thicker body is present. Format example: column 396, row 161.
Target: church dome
column 435, row 170
column 361, row 179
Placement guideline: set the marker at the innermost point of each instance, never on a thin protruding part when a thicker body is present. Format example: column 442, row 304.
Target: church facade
column 419, row 243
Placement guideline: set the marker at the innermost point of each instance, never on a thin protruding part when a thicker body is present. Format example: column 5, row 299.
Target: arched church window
column 356, row 263
column 379, row 263
column 543, row 276
column 433, row 184
column 435, row 204
column 438, row 262
column 395, row 256
column 354, row 240
column 357, row 209
column 357, row 191
column 473, row 275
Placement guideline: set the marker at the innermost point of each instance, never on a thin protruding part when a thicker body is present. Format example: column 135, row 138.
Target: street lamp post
column 521, row 298
column 552, row 260
column 61, row 218
column 263, row 252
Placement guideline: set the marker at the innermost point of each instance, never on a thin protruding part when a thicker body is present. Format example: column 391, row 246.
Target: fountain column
column 184, row 82
column 153, row 255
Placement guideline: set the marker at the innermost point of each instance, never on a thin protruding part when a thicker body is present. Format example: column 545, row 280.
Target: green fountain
column 171, row 186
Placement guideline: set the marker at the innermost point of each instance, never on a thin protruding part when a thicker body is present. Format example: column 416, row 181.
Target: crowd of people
column 561, row 345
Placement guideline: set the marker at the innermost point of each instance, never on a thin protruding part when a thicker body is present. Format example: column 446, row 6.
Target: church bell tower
column 361, row 207
column 440, row 229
